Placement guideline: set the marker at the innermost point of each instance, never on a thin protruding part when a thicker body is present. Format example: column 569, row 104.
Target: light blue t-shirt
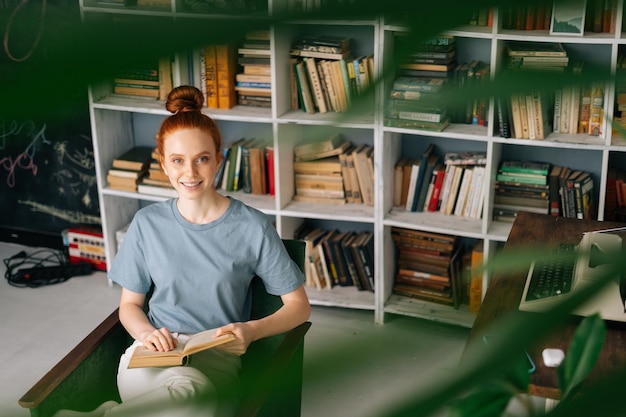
column 201, row 272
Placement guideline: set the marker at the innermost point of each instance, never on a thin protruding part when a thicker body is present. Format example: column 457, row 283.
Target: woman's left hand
column 244, row 336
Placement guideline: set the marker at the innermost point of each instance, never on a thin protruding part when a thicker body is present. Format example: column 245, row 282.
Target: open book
column 143, row 357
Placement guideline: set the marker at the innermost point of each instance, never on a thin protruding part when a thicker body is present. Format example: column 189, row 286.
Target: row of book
column 247, row 166
column 572, row 110
column 526, row 16
column 152, row 81
column 334, row 171
column 335, row 258
column 482, row 16
column 454, row 186
column 325, row 77
column 543, row 188
column 428, row 266
column 598, row 16
column 535, row 114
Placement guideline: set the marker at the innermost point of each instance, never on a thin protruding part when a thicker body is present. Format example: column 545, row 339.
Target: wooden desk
column 505, row 292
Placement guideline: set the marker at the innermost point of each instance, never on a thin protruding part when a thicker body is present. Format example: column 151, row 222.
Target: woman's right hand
column 160, row 340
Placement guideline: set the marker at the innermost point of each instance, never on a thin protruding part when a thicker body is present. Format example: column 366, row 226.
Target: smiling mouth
column 191, row 184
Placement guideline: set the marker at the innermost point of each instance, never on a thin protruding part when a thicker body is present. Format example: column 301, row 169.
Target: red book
column 439, row 173
column 270, row 169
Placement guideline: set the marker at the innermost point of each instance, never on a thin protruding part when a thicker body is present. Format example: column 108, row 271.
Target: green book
column 526, row 167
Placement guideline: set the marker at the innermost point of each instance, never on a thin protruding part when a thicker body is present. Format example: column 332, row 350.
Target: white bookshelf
column 115, row 120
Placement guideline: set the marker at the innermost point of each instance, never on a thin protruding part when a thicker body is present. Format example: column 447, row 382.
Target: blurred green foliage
column 49, row 52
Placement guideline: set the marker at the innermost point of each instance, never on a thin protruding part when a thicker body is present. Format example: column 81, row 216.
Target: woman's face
column 190, row 161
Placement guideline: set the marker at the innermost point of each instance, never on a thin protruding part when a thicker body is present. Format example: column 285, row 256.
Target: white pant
column 211, row 377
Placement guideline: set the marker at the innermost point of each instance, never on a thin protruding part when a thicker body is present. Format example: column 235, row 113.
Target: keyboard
column 553, row 275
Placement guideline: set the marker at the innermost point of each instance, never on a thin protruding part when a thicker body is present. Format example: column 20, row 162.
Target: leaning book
column 144, row 358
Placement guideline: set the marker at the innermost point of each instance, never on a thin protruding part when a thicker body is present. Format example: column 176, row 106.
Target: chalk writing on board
column 51, row 169
column 71, row 216
column 24, row 160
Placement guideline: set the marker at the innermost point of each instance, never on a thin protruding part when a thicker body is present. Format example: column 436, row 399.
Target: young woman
column 198, row 253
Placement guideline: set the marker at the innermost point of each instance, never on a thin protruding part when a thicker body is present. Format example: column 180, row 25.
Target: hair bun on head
column 184, row 98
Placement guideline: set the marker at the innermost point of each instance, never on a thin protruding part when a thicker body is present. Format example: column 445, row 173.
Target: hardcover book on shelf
column 362, row 154
column 345, row 173
column 340, row 149
column 137, row 158
column 431, row 163
column 363, row 251
column 420, row 175
column 304, row 88
column 122, row 183
column 439, row 176
column 159, row 190
column 357, row 196
column 345, row 246
column 325, row 145
column 531, row 48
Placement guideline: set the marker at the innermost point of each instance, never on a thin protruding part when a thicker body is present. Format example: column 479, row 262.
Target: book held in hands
column 143, row 357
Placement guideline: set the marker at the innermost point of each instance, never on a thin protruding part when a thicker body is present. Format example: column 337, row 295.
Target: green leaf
column 484, row 402
column 582, row 354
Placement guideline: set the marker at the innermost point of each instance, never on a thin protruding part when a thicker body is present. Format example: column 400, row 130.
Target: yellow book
column 225, row 59
column 476, row 278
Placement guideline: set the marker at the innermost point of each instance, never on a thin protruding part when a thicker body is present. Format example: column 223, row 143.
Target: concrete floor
column 352, row 367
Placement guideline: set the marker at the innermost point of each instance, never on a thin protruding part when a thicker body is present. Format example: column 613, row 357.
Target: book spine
column 225, row 65
column 211, row 77
column 314, row 80
column 305, row 90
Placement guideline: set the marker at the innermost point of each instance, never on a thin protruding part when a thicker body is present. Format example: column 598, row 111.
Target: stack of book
column 431, row 62
column 151, row 81
column 521, row 186
column 325, row 76
column 128, row 169
column 434, row 58
column 414, row 103
column 247, row 166
column 335, row 258
column 318, row 171
column 254, row 89
column 428, row 266
column 156, row 182
column 540, row 56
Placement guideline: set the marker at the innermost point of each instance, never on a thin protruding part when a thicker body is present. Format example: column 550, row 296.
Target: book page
column 205, row 340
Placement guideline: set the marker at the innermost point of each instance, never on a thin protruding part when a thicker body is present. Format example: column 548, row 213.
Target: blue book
column 421, row 175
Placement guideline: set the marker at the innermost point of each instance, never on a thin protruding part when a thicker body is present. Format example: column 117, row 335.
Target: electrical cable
column 38, row 259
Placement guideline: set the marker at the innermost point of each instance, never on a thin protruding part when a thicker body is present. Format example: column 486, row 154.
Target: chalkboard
column 47, row 174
